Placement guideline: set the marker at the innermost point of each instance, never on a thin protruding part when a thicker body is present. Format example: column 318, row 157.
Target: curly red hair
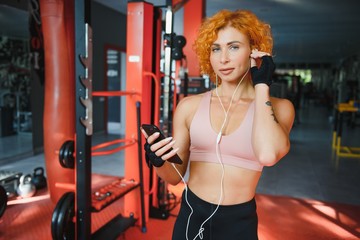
column 258, row 32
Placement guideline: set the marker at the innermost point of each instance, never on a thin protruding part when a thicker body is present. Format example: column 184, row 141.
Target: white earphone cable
column 232, row 98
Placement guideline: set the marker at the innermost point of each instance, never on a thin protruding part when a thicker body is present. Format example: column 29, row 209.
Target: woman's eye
column 215, row 49
column 232, row 47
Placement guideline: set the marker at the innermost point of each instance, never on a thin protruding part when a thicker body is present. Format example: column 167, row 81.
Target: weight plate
column 55, row 215
column 66, row 157
column 65, row 224
column 61, row 220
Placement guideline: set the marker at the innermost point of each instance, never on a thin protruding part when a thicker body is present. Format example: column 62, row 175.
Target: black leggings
column 230, row 222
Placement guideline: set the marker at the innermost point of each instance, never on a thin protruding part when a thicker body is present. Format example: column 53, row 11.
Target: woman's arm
column 273, row 117
column 273, row 120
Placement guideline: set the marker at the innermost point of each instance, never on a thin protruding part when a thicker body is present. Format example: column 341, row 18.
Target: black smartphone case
column 151, row 129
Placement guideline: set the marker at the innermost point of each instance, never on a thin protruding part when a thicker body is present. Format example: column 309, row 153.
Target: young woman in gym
column 228, row 134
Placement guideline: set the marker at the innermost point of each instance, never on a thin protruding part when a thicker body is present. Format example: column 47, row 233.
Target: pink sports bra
column 234, row 149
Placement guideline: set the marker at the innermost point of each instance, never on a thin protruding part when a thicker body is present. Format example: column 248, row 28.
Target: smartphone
column 151, row 129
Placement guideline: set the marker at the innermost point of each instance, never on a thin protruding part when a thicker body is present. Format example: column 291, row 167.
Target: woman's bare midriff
column 239, row 184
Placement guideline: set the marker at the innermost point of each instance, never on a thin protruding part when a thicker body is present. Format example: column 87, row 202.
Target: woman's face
column 230, row 54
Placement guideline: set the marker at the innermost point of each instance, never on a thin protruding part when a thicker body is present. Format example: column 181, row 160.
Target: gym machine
column 167, row 95
column 71, row 187
column 339, row 149
column 143, row 66
column 69, row 173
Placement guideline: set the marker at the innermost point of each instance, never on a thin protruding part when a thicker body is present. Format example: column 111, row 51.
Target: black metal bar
column 186, row 84
column 142, row 195
column 340, row 124
column 165, row 126
column 166, row 118
column 83, row 140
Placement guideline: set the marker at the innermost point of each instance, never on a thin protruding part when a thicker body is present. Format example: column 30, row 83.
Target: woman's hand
column 158, row 152
column 264, row 73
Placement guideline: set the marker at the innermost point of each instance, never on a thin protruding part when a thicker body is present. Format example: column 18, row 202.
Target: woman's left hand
column 264, row 73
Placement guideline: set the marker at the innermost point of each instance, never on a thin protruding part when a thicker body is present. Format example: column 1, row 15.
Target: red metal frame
column 95, row 152
column 139, row 51
column 194, row 12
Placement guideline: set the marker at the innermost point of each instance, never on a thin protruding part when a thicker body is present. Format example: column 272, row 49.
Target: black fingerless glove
column 264, row 73
column 151, row 158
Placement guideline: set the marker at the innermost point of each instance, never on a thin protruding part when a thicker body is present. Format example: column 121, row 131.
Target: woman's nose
column 224, row 57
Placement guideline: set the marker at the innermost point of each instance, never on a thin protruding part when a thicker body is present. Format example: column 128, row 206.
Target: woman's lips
column 226, row 71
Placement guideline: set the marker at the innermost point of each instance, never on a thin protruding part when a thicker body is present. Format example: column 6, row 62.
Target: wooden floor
column 279, row 218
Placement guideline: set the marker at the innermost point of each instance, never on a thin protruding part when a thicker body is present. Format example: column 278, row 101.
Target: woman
column 228, row 134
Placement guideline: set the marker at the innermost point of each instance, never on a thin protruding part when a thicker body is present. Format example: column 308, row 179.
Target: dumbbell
column 38, row 178
column 26, row 188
